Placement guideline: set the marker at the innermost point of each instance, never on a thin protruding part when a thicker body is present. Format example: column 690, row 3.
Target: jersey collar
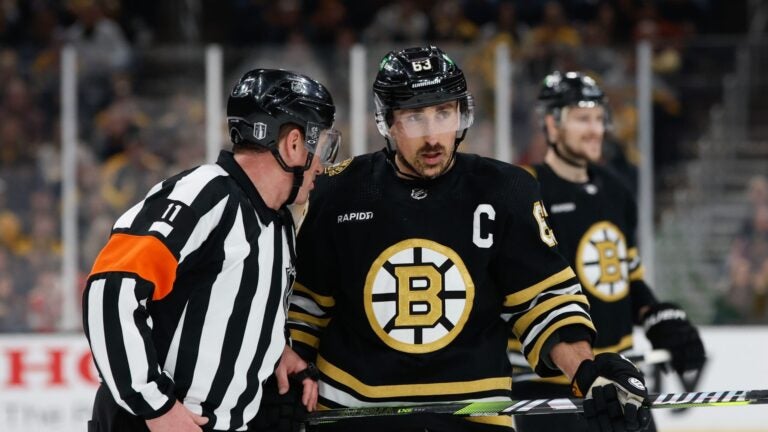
column 227, row 161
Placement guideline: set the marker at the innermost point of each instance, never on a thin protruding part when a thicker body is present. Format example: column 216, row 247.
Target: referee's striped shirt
column 187, row 299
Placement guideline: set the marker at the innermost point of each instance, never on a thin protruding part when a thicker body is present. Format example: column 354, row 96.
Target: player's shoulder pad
column 337, row 168
column 530, row 169
column 346, row 172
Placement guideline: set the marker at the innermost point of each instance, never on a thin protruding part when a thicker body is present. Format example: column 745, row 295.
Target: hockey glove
column 615, row 397
column 667, row 327
column 279, row 413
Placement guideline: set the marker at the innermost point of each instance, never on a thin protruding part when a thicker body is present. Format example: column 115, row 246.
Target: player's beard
column 430, row 169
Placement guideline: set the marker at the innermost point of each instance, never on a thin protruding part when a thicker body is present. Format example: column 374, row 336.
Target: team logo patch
column 337, row 168
column 244, row 88
column 602, row 262
column 636, row 383
column 418, row 296
column 259, row 130
column 418, row 194
column 298, row 87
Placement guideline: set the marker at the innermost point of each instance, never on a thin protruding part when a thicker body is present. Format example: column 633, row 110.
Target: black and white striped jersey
column 187, row 300
column 406, row 290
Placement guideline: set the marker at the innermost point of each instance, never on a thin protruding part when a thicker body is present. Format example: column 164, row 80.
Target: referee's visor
column 323, row 142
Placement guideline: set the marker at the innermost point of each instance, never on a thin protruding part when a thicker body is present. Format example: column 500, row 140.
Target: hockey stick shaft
column 542, row 406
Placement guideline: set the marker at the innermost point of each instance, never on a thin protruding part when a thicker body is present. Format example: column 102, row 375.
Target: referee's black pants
column 108, row 416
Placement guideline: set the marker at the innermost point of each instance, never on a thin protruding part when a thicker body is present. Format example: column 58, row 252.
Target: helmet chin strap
column 298, row 179
column 298, row 174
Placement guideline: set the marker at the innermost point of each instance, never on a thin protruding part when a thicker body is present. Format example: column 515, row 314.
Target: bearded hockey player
column 416, row 261
column 595, row 217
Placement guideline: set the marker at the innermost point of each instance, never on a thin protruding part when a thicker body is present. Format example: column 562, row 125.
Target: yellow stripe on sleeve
column 533, row 356
column 324, row 301
column 305, row 338
column 532, row 291
column 549, row 305
column 307, row 318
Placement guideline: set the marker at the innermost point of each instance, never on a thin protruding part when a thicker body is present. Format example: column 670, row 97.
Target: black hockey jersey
column 595, row 224
column 406, row 290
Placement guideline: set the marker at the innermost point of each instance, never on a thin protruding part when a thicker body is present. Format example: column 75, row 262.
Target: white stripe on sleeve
column 134, row 347
column 98, row 338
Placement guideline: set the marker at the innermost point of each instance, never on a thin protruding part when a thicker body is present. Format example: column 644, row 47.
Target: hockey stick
column 648, row 358
column 540, row 406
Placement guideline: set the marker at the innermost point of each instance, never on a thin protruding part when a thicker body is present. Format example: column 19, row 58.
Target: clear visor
column 430, row 121
column 323, row 142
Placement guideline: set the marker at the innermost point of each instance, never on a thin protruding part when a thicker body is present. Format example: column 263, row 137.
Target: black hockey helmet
column 263, row 100
column 418, row 77
column 570, row 89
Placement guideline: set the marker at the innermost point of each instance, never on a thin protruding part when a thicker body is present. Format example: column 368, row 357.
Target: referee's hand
column 292, row 364
column 177, row 419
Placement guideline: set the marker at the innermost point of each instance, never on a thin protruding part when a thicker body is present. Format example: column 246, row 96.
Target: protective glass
column 322, row 142
column 431, row 120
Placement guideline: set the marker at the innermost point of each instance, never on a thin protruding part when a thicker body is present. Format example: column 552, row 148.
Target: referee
column 184, row 308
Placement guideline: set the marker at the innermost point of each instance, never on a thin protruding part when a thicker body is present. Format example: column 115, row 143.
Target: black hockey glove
column 279, row 413
column 667, row 327
column 615, row 397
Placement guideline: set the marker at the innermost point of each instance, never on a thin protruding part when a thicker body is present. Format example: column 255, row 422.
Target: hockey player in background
column 415, row 262
column 595, row 218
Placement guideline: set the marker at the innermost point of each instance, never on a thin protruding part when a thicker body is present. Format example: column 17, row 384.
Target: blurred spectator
column 745, row 299
column 598, row 38
column 448, row 23
column 482, row 12
column 504, row 29
column 19, row 106
column 282, row 18
column 620, row 151
column 11, row 23
column 12, row 308
column 101, row 45
column 44, row 301
column 328, row 18
column 114, row 126
column 130, row 172
column 12, row 238
column 552, row 37
column 757, row 192
column 102, row 50
column 400, row 22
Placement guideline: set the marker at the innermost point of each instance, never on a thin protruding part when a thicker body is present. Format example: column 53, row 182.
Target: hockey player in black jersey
column 414, row 263
column 595, row 217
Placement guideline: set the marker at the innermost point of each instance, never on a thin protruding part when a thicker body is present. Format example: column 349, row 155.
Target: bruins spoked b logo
column 602, row 262
column 418, row 296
